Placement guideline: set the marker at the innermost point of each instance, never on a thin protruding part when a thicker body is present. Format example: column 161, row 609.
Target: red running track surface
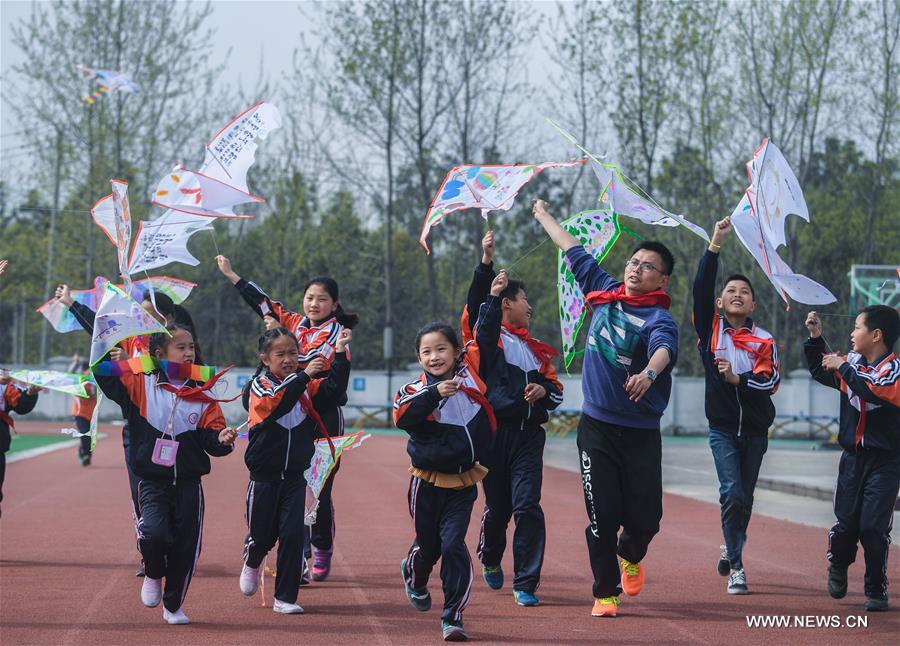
column 67, row 562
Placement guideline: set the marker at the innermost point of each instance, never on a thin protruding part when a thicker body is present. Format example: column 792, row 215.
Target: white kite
column 488, row 188
column 221, row 183
column 108, row 81
column 119, row 317
column 113, row 214
column 164, row 240
column 65, row 382
column 773, row 194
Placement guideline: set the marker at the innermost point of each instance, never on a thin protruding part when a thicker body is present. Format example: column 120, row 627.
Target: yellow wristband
column 713, row 244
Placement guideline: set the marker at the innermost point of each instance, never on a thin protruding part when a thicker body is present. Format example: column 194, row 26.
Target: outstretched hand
column 723, row 228
column 64, row 296
column 500, row 282
column 814, row 325
column 487, row 248
column 225, row 267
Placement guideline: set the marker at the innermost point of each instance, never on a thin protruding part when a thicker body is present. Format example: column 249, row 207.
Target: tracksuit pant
column 621, row 473
column 169, row 534
column 867, row 486
column 512, row 489
column 83, row 426
column 738, row 459
column 441, row 518
column 275, row 514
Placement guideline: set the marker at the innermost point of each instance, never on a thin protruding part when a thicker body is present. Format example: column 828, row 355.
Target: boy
column 631, row 348
column 740, row 362
column 522, row 388
column 869, row 432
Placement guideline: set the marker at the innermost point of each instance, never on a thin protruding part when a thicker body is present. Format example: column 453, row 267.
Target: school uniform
column 170, row 498
column 515, row 460
column 283, row 425
column 739, row 416
column 447, row 440
column 315, row 340
column 13, row 399
column 619, row 440
column 869, row 472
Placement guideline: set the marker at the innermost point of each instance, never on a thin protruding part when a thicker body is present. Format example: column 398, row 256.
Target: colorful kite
column 488, row 188
column 107, row 81
column 119, row 317
column 64, row 321
column 598, row 232
column 773, row 194
column 64, row 382
column 221, row 183
column 113, row 214
column 623, row 198
column 322, row 465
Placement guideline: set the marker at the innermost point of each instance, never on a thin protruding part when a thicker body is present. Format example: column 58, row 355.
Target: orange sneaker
column 632, row 577
column 605, row 607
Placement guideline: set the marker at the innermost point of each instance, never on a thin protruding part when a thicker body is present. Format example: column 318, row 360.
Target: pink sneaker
column 321, row 565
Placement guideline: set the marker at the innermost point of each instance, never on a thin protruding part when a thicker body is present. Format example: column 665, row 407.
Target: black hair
column 265, row 343
column 346, row 319
column 163, row 304
column 512, row 289
column 668, row 259
column 742, row 278
column 443, row 328
column 160, row 340
column 884, row 318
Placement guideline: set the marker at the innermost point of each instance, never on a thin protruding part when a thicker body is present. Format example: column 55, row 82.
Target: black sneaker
column 723, row 567
column 876, row 604
column 737, row 582
column 453, row 631
column 140, row 572
column 419, row 599
column 86, row 460
column 837, row 582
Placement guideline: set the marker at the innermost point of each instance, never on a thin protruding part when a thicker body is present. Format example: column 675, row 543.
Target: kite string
column 527, row 253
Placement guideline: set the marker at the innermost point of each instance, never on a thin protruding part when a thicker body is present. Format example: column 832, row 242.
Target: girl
column 282, row 403
column 317, row 331
column 174, row 428
column 15, row 399
column 449, row 422
column 166, row 312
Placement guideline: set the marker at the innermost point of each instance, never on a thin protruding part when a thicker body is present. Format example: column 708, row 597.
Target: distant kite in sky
column 104, row 82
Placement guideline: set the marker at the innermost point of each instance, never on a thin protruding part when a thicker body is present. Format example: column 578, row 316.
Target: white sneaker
column 285, row 608
column 151, row 592
column 249, row 580
column 175, row 618
column 737, row 582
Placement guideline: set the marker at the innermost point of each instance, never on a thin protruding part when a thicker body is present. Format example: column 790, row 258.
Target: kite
column 108, row 81
column 622, row 195
column 322, row 465
column 64, row 321
column 221, row 182
column 164, row 240
column 119, row 317
column 598, row 232
column 95, row 419
column 113, row 214
column 489, row 188
column 773, row 194
column 64, row 382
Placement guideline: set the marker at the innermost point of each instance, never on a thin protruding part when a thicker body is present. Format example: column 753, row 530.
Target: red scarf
column 618, row 295
column 198, row 393
column 308, row 408
column 742, row 338
column 477, row 397
column 542, row 351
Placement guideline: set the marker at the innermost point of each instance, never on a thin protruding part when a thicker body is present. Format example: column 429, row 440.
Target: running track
column 67, row 562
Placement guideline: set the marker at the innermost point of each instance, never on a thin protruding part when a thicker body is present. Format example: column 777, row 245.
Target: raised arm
column 257, row 299
column 480, row 286
column 705, row 283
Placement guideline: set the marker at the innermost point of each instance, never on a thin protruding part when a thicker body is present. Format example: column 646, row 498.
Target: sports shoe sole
column 406, row 589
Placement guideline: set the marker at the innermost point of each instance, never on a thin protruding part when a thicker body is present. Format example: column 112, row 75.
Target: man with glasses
column 626, row 381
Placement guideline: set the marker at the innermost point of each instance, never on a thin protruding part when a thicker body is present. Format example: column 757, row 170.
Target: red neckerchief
column 542, row 351
column 477, row 397
column 307, row 406
column 198, row 393
column 742, row 338
column 650, row 299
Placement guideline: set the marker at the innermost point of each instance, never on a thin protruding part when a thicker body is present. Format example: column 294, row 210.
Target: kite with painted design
column 488, row 188
column 322, row 465
column 598, row 232
column 773, row 194
column 64, row 382
column 106, row 81
column 221, row 182
column 164, row 240
column 119, row 317
column 113, row 214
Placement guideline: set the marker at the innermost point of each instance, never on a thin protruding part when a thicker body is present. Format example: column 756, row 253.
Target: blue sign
column 359, row 383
